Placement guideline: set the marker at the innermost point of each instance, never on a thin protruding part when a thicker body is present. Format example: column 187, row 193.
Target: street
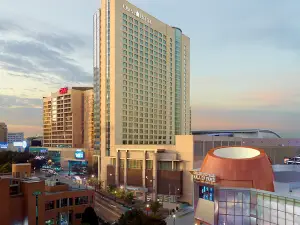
column 106, row 209
column 186, row 220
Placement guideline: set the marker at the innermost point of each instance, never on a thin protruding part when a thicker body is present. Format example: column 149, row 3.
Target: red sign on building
column 63, row 90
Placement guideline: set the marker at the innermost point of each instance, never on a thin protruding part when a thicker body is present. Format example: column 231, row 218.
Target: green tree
column 138, row 217
column 155, row 206
column 120, row 193
column 5, row 168
column 128, row 197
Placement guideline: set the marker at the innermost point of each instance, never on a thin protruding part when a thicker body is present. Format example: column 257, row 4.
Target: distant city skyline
column 245, row 69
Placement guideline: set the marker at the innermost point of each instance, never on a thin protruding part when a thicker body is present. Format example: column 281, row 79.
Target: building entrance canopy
column 132, row 188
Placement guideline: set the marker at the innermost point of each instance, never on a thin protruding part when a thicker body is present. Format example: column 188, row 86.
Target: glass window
column 289, row 206
column 222, row 207
column 260, row 199
column 281, row 204
column 222, row 196
column 238, row 196
column 81, row 200
column 70, row 201
column 267, row 201
column 246, row 197
column 230, row 196
column 230, row 208
column 246, row 209
column 267, row 214
column 274, row 216
column 238, row 209
column 274, row 203
column 259, row 212
column 64, row 202
column 49, row 205
column 238, row 220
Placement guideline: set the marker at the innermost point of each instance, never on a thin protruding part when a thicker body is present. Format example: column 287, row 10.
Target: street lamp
column 93, row 175
column 147, row 208
column 174, row 217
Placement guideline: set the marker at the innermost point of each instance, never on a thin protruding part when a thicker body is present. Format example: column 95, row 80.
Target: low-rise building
column 32, row 200
column 15, row 137
column 238, row 186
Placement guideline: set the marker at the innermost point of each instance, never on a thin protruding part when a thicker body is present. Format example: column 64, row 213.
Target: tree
column 120, row 193
column 155, row 206
column 138, row 217
column 89, row 217
column 128, row 197
column 5, row 168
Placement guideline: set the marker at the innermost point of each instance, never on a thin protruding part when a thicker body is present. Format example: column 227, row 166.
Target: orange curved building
column 243, row 167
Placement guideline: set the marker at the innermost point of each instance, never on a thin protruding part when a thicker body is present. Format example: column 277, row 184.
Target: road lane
column 105, row 210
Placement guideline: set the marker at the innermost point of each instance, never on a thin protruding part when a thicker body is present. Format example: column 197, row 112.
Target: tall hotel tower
column 141, row 80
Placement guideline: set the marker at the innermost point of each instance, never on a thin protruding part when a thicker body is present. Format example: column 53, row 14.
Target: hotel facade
column 68, row 122
column 141, row 83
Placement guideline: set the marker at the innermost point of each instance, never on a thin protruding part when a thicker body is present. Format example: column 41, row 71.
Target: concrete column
column 125, row 170
column 117, row 168
column 144, row 174
column 144, row 169
column 172, row 165
column 154, row 176
column 103, row 176
column 99, row 167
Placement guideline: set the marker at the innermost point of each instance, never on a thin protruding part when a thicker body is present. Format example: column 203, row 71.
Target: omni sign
column 203, row 177
column 137, row 14
column 63, row 90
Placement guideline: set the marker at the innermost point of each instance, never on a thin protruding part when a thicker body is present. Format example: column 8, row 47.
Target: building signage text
column 137, row 14
column 3, row 145
column 204, row 177
column 63, row 90
column 79, row 154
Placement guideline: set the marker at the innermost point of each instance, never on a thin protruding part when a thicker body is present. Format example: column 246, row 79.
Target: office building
column 238, row 186
column 68, row 124
column 143, row 96
column 15, row 137
column 31, row 200
column 3, row 133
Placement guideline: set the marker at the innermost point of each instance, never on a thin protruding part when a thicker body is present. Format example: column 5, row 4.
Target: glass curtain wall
column 255, row 207
column 178, row 75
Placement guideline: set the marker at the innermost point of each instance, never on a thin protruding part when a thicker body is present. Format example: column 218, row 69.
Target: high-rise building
column 141, row 78
column 15, row 137
column 68, row 118
column 3, row 132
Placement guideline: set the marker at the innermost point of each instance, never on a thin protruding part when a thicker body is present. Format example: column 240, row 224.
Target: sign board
column 204, row 177
column 22, row 144
column 37, row 193
column 63, row 90
column 79, row 154
column 3, row 145
column 137, row 14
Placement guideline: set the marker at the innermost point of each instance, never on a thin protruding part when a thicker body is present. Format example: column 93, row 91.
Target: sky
column 245, row 70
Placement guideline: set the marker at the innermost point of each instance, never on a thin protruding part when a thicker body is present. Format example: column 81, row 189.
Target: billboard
column 79, row 154
column 3, row 145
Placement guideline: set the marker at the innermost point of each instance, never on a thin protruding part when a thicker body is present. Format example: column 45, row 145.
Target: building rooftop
column 236, row 152
column 223, row 132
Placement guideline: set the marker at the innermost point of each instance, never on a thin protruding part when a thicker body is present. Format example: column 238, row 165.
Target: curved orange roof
column 240, row 167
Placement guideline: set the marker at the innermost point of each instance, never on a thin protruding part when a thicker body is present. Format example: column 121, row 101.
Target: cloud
column 47, row 56
column 9, row 101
